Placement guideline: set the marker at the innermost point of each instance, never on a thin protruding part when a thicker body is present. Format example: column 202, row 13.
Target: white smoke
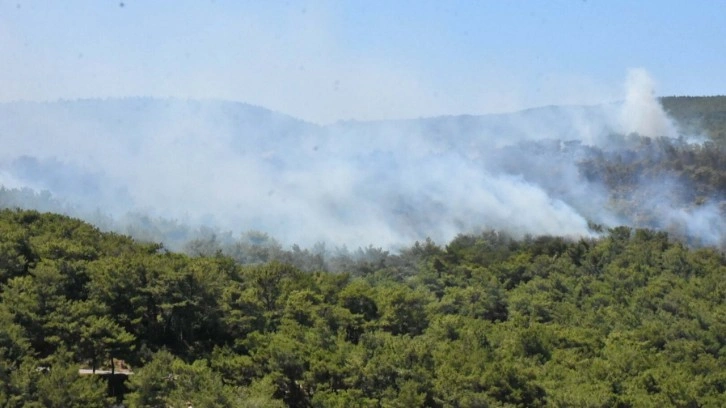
column 642, row 113
column 238, row 168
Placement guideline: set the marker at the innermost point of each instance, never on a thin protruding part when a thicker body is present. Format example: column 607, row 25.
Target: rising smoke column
column 642, row 113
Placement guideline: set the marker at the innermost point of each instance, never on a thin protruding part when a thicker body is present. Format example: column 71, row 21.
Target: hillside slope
column 631, row 319
column 699, row 114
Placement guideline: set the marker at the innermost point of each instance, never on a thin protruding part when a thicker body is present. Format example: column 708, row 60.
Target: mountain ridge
column 549, row 170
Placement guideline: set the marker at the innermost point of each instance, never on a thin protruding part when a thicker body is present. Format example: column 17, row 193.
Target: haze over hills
column 237, row 167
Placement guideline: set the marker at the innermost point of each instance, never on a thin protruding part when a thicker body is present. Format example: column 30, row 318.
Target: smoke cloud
column 237, row 167
column 641, row 112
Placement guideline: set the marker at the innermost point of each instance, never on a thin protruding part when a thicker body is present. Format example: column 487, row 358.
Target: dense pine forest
column 362, row 204
column 631, row 319
column 165, row 314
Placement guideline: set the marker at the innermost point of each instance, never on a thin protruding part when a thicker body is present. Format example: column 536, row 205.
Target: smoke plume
column 641, row 113
column 236, row 167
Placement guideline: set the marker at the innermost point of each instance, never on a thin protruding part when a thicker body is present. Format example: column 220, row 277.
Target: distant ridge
column 699, row 113
column 240, row 167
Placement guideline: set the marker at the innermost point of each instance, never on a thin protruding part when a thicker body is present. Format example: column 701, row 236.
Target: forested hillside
column 699, row 114
column 632, row 319
column 500, row 315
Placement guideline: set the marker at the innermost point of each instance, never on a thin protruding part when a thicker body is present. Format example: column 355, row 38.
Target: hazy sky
column 324, row 61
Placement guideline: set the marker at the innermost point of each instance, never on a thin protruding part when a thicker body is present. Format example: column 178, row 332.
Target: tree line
column 628, row 319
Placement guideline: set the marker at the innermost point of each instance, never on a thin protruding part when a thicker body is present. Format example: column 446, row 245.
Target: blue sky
column 326, row 60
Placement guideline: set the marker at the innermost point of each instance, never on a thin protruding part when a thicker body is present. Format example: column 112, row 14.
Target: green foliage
column 168, row 381
column 629, row 319
column 53, row 383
